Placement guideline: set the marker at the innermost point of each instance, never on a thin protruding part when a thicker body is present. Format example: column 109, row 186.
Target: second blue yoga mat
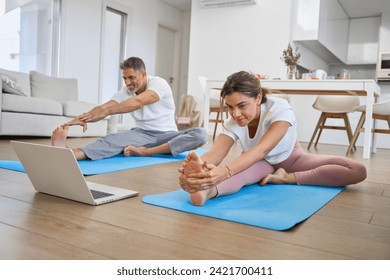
column 117, row 163
column 276, row 207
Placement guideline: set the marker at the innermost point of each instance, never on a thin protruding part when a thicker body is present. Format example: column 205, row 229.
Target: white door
column 112, row 53
column 114, row 30
column 167, row 63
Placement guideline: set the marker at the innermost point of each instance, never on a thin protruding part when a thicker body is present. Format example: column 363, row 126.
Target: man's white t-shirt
column 274, row 109
column 157, row 116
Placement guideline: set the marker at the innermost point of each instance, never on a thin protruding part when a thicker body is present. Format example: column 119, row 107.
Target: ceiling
column 365, row 8
column 183, row 5
column 353, row 8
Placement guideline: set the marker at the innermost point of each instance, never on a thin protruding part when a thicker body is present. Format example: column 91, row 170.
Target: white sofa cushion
column 59, row 89
column 9, row 85
column 76, row 108
column 21, row 80
column 34, row 105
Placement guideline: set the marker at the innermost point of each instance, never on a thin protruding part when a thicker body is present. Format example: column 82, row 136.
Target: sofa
column 34, row 104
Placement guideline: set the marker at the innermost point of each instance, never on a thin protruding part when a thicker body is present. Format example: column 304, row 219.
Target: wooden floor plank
column 381, row 220
column 346, row 213
column 18, row 244
column 364, row 202
column 387, row 193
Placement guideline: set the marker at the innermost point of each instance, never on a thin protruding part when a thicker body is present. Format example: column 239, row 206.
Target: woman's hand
column 211, row 176
column 197, row 175
column 187, row 186
column 192, row 164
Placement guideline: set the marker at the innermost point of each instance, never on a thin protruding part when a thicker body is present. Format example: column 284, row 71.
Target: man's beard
column 131, row 92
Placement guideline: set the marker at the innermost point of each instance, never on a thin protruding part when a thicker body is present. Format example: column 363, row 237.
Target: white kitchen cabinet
column 334, row 28
column 384, row 33
column 323, row 27
column 363, row 40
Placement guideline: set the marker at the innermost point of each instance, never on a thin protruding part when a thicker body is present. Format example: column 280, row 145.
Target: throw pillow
column 60, row 89
column 10, row 85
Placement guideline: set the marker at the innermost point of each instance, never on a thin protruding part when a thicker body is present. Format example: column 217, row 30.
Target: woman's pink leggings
column 309, row 169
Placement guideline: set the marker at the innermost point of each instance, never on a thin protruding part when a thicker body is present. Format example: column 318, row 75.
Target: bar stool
column 334, row 107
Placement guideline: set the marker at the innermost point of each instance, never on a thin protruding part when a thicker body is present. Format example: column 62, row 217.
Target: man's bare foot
column 135, row 151
column 280, row 176
column 59, row 135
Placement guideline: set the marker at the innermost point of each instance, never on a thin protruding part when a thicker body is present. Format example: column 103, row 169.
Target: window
column 29, row 36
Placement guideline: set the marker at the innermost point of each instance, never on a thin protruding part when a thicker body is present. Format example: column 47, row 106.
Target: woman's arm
column 216, row 175
column 268, row 141
column 219, row 150
column 213, row 157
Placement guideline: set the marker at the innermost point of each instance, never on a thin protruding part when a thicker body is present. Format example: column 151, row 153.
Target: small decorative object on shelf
column 291, row 60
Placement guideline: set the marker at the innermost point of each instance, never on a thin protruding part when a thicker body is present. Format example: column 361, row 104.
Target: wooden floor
column 354, row 225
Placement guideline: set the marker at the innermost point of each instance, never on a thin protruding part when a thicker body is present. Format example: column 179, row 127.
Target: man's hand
column 96, row 114
column 77, row 121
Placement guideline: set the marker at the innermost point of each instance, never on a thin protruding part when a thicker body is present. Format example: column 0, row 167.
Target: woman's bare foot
column 193, row 164
column 199, row 198
column 59, row 135
column 280, row 176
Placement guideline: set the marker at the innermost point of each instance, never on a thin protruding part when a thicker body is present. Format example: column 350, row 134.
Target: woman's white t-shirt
column 156, row 116
column 274, row 109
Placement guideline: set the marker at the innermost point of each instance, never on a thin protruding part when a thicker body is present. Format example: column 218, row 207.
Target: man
column 150, row 101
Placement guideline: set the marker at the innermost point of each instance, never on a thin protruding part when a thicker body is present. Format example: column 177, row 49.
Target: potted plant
column 291, row 59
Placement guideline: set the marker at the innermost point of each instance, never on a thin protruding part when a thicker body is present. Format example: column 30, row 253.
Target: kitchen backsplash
column 357, row 71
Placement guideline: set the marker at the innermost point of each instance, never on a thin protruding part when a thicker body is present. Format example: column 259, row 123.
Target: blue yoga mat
column 276, row 207
column 113, row 164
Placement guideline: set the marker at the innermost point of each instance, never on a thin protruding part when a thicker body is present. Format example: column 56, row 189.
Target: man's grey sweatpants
column 178, row 141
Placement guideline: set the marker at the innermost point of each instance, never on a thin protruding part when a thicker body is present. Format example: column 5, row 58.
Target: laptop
column 55, row 171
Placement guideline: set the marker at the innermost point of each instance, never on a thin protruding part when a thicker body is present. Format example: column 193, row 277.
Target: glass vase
column 291, row 72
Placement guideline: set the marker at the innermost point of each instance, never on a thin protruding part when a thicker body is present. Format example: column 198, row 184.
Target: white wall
column 229, row 39
column 81, row 35
column 80, row 45
column 183, row 76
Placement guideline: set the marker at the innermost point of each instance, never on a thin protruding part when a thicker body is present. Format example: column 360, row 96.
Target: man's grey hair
column 135, row 63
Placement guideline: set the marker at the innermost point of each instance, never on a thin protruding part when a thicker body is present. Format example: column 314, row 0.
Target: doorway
column 168, row 57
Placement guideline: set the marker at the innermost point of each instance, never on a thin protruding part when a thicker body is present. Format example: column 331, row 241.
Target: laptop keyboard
column 99, row 194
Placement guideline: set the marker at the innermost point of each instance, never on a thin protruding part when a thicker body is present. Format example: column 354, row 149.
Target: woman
column 266, row 129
